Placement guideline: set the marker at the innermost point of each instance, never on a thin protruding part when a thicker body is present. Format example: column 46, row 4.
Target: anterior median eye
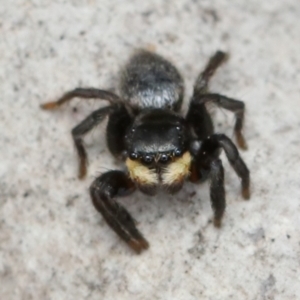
column 164, row 158
column 147, row 159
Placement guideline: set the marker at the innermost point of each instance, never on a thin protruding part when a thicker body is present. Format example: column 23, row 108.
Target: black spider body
column 160, row 147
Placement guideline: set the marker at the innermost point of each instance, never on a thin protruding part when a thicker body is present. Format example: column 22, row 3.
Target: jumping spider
column 160, row 148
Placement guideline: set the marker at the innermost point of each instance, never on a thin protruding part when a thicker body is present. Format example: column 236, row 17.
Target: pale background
column 54, row 245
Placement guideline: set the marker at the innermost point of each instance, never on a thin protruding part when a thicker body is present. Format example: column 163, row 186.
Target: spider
column 161, row 148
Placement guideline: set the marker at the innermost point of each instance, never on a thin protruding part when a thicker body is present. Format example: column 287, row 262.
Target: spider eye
column 147, row 159
column 133, row 155
column 177, row 152
column 164, row 158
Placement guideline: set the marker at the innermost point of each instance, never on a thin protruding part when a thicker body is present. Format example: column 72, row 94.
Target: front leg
column 103, row 192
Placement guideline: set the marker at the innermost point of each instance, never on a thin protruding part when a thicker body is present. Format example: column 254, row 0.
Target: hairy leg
column 207, row 162
column 236, row 162
column 201, row 96
column 117, row 126
column 103, row 192
column 201, row 84
column 233, row 105
column 217, row 191
column 86, row 93
column 84, row 127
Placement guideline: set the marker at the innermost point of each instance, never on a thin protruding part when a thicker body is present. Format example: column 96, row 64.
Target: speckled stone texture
column 54, row 245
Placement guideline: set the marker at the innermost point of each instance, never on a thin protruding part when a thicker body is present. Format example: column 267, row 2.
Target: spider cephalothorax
column 160, row 148
column 157, row 144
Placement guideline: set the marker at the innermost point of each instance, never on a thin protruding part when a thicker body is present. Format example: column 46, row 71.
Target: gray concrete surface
column 54, row 245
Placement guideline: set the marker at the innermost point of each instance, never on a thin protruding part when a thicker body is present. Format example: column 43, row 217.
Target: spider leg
column 208, row 165
column 235, row 106
column 84, row 127
column 202, row 96
column 201, row 85
column 199, row 120
column 207, row 162
column 235, row 161
column 198, row 116
column 103, row 192
column 86, row 93
column 117, row 125
column 217, row 191
column 210, row 150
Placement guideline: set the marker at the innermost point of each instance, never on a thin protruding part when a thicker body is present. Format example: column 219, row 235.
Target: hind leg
column 86, row 93
column 201, row 84
column 198, row 116
column 201, row 96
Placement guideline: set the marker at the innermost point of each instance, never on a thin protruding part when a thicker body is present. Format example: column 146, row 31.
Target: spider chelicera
column 161, row 148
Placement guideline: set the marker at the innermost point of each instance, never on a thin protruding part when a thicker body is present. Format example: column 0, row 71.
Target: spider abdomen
column 150, row 81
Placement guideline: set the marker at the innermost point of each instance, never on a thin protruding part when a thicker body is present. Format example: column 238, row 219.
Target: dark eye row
column 148, row 159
